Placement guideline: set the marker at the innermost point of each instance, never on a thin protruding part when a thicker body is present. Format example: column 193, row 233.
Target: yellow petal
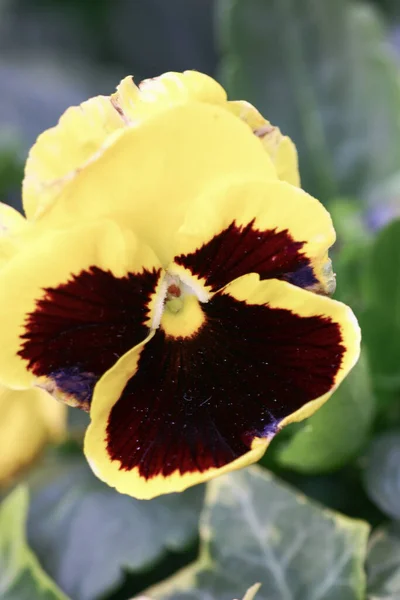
column 280, row 147
column 267, row 227
column 155, row 95
column 10, row 219
column 60, row 152
column 151, row 174
column 137, row 103
column 12, row 223
column 85, row 131
column 28, row 420
column 131, row 482
column 51, row 261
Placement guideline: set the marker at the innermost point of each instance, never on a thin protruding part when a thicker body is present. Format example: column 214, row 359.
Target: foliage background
column 328, row 73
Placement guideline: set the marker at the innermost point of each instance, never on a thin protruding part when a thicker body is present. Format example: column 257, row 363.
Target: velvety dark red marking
column 81, row 328
column 237, row 251
column 198, row 402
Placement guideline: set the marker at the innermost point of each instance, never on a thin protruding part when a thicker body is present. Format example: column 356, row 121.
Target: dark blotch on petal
column 81, row 328
column 75, row 383
column 197, row 403
column 237, row 251
column 304, row 277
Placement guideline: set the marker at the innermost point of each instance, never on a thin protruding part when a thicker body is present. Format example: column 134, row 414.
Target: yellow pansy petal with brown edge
column 186, row 406
column 154, row 95
column 149, row 182
column 71, row 304
column 279, row 147
column 28, row 420
column 86, row 131
column 266, row 227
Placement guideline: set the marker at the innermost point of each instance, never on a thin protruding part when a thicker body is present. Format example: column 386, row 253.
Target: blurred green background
column 327, row 72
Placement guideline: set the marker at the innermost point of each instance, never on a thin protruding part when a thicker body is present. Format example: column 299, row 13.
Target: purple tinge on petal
column 198, row 402
column 303, row 277
column 81, row 328
column 74, row 383
column 239, row 250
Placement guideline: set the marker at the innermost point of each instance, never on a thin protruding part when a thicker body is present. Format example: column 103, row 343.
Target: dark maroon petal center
column 239, row 250
column 80, row 328
column 197, row 403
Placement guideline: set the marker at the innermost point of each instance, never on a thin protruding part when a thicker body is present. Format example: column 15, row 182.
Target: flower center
column 174, row 298
column 182, row 315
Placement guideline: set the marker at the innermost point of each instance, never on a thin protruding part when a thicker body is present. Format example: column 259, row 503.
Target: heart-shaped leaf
column 382, row 473
column 21, row 576
column 256, row 529
column 87, row 534
column 383, row 563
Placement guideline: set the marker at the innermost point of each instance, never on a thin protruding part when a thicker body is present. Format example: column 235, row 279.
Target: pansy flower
column 166, row 284
column 29, row 419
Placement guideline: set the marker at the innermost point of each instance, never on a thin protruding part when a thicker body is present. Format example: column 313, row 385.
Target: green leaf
column 322, row 71
column 86, row 534
column 21, row 577
column 11, row 166
column 382, row 339
column 349, row 251
column 337, row 431
column 382, row 342
column 382, row 272
column 383, row 563
column 382, row 473
column 380, row 318
column 256, row 529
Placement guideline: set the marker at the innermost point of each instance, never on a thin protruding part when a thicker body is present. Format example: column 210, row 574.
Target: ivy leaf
column 21, row 576
column 382, row 473
column 383, row 563
column 340, row 102
column 256, row 529
column 86, row 534
column 335, row 433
